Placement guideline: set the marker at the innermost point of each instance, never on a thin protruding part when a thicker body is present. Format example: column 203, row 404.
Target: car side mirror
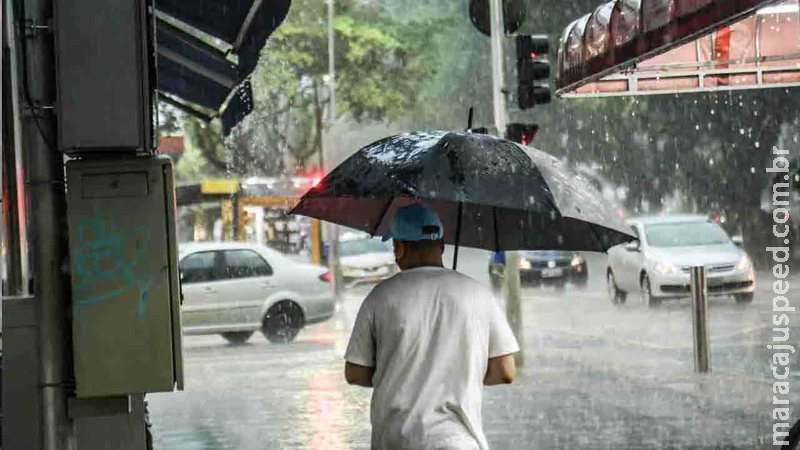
column 632, row 246
column 738, row 240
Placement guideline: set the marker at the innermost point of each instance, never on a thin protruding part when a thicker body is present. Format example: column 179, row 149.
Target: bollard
column 699, row 289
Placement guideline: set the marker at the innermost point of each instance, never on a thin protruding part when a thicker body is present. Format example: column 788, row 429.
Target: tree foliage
column 380, row 66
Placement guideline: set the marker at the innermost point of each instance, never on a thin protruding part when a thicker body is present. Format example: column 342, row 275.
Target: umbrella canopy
column 490, row 193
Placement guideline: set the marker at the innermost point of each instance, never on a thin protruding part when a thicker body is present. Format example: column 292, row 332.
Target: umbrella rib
column 383, row 214
column 599, row 239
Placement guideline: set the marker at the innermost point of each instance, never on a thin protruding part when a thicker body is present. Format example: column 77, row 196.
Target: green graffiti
column 109, row 260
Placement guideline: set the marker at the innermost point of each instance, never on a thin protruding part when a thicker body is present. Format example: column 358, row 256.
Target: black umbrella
column 490, row 193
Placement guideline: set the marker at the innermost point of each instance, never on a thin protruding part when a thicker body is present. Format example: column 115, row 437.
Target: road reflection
column 325, row 416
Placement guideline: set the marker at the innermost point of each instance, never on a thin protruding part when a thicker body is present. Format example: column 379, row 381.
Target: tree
column 379, row 72
column 168, row 120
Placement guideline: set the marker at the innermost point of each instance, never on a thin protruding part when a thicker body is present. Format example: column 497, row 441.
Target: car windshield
column 685, row 234
column 362, row 246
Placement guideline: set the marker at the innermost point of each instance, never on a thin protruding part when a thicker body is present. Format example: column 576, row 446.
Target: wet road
column 596, row 376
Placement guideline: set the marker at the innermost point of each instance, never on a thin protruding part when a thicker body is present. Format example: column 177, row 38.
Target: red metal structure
column 641, row 47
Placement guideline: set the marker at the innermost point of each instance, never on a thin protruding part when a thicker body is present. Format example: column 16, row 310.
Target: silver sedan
column 235, row 289
column 657, row 266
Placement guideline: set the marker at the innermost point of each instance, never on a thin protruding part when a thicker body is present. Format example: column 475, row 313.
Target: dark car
column 539, row 267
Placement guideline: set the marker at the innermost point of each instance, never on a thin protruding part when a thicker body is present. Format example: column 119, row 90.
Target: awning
column 264, row 191
column 642, row 47
column 207, row 49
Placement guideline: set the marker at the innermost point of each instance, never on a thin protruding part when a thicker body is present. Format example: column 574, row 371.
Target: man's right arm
column 358, row 375
column 360, row 353
column 500, row 370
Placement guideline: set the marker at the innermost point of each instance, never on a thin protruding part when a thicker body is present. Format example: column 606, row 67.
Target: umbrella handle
column 458, row 234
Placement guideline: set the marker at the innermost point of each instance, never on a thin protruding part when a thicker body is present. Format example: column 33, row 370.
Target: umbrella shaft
column 458, row 234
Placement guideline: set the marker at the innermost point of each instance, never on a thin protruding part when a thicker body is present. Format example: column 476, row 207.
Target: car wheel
column 744, row 298
column 282, row 322
column 647, row 293
column 237, row 338
column 616, row 296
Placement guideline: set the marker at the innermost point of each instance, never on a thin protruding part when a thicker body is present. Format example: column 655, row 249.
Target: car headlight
column 524, row 264
column 576, row 261
column 667, row 268
column 744, row 263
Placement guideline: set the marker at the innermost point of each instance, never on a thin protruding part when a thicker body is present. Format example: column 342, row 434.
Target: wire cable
column 26, row 92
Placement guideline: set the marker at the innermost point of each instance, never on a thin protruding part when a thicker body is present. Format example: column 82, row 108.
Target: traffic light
column 533, row 68
column 514, row 13
column 522, row 133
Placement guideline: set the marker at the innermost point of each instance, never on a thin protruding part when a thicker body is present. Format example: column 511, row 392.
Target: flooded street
column 596, row 375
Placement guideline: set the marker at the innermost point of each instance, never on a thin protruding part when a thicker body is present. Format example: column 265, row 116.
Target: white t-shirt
column 429, row 333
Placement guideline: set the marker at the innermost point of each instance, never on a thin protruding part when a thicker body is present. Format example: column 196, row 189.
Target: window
column 200, row 267
column 245, row 263
column 687, row 234
column 362, row 246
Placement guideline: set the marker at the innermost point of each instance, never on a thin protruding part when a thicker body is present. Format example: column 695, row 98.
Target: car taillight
column 326, row 277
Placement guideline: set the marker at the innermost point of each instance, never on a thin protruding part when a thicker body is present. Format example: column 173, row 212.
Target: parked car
column 658, row 265
column 537, row 267
column 235, row 289
column 364, row 259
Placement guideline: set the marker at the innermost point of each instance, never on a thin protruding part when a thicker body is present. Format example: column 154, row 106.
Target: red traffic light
column 522, row 133
column 534, row 44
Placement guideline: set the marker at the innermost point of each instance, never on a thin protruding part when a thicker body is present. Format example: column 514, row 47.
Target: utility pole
column 511, row 288
column 44, row 170
column 333, row 229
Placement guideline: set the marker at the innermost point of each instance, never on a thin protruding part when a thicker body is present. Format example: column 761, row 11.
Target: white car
column 365, row 260
column 235, row 289
column 658, row 265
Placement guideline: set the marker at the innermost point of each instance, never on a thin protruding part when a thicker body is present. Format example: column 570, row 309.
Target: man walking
column 427, row 340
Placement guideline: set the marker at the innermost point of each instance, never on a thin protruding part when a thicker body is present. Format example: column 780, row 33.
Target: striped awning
column 643, row 47
column 206, row 51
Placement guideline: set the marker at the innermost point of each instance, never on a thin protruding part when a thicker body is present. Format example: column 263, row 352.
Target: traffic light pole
column 511, row 288
column 333, row 229
column 44, row 170
column 498, row 75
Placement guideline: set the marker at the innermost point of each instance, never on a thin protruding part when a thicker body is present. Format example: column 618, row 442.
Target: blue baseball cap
column 415, row 223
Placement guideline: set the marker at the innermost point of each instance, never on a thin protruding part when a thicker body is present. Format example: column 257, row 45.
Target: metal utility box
column 105, row 75
column 125, row 284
